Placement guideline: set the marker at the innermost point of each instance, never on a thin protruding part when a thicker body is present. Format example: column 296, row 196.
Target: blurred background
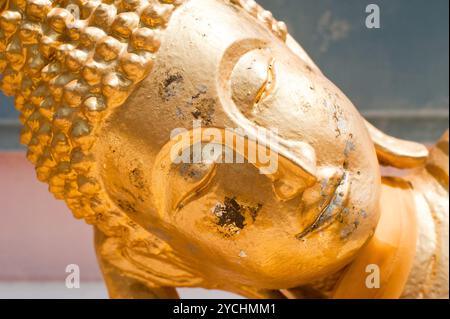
column 397, row 76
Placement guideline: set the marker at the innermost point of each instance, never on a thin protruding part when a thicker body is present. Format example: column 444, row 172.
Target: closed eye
column 268, row 85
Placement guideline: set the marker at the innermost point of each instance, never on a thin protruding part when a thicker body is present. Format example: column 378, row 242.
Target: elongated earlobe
column 395, row 152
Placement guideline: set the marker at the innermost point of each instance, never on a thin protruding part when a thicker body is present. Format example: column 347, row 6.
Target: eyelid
column 268, row 85
column 195, row 188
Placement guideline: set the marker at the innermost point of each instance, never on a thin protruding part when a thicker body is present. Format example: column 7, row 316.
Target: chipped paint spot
column 204, row 110
column 349, row 147
column 342, row 125
column 349, row 229
column 323, row 186
column 230, row 213
column 179, row 113
column 232, row 217
column 364, row 214
column 171, row 86
column 202, row 89
column 137, row 178
column 195, row 172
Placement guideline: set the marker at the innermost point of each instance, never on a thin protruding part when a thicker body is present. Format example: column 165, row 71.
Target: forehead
column 207, row 39
column 206, row 29
column 191, row 79
column 202, row 43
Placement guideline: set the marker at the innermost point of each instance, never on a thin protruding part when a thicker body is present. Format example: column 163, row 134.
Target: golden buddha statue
column 103, row 85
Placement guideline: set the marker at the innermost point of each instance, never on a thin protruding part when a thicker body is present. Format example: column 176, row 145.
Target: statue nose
column 297, row 170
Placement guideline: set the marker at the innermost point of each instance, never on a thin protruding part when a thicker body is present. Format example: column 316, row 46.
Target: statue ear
column 395, row 152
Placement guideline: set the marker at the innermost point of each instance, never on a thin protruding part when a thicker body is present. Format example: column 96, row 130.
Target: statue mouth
column 331, row 209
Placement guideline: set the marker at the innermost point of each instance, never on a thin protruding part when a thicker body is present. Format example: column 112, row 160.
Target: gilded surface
column 102, row 84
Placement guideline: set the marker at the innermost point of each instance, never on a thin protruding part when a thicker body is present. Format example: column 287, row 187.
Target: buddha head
column 113, row 86
column 226, row 64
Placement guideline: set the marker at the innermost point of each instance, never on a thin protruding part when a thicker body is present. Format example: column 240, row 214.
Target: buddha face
column 229, row 222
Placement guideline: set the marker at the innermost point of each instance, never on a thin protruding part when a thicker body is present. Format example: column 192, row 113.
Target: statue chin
column 117, row 91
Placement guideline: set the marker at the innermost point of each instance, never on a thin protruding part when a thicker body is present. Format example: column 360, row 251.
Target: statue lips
column 334, row 205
